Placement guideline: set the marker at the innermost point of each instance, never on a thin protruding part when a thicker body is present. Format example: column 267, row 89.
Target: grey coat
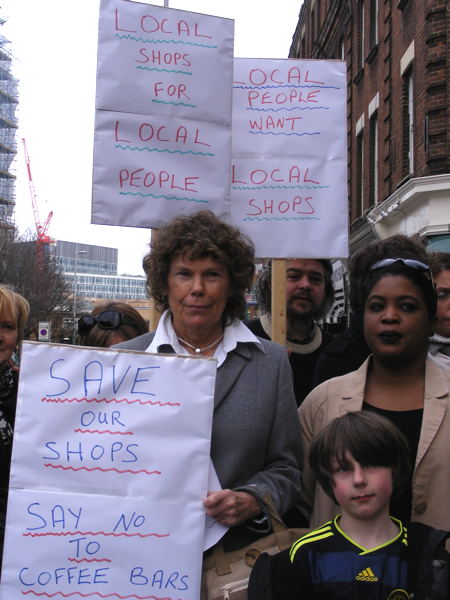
column 255, row 444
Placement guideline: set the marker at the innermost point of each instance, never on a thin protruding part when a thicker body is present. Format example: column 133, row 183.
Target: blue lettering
column 136, row 381
column 137, row 577
column 48, row 446
column 59, row 378
column 33, row 514
column 134, row 459
column 98, row 365
column 116, row 389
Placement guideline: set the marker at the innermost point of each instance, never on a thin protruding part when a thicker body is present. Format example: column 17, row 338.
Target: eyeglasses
column 108, row 319
column 411, row 263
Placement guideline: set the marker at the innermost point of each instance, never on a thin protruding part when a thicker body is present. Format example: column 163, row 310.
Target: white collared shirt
column 235, row 332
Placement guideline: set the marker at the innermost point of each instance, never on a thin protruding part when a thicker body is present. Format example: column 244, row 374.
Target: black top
column 410, row 423
column 302, row 365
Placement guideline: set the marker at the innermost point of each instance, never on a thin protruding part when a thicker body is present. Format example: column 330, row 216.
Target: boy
column 360, row 459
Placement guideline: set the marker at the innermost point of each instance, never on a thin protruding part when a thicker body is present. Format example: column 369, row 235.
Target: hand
column 231, row 508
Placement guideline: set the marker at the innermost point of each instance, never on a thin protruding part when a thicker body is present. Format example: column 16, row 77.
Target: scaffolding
column 9, row 99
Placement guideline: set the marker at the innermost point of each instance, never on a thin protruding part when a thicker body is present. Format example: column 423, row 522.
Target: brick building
column 398, row 60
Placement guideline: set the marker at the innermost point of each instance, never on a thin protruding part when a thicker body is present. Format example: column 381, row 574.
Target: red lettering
column 181, row 135
column 294, row 75
column 307, row 80
column 188, row 183
column 272, row 76
column 252, row 77
column 197, row 141
column 116, row 18
column 292, row 120
column 306, row 180
column 310, row 97
column 198, row 34
column 142, row 136
column 135, row 176
column 159, row 133
column 252, row 204
column 233, row 173
column 153, row 28
column 142, row 52
column 272, row 175
column 253, row 176
column 116, row 133
column 163, row 22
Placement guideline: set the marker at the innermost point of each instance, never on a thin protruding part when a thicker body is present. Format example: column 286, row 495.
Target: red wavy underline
column 78, row 430
column 105, row 533
column 65, row 468
column 89, row 560
column 47, row 595
column 109, row 400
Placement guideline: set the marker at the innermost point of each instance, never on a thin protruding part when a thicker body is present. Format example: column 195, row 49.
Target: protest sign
column 162, row 142
column 110, row 466
column 289, row 172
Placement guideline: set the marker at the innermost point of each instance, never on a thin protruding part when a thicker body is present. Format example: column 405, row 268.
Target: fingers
column 231, row 508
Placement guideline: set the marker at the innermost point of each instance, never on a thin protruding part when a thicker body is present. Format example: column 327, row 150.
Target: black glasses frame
column 108, row 319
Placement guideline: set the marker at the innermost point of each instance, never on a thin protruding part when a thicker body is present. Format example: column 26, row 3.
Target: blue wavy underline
column 283, row 133
column 289, row 109
column 285, row 85
column 127, row 147
column 174, row 103
column 281, row 219
column 161, row 196
column 153, row 41
column 163, row 70
column 279, row 187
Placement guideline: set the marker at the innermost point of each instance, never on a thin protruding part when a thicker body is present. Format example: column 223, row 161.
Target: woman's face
column 396, row 320
column 197, row 291
column 8, row 337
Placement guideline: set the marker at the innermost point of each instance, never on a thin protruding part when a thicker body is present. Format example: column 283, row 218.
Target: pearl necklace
column 197, row 349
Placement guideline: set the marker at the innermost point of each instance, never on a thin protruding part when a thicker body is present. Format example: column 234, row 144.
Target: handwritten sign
column 162, row 143
column 289, row 172
column 110, row 466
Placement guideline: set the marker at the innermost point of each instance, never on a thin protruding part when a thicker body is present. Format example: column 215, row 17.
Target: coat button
column 419, row 509
column 251, row 555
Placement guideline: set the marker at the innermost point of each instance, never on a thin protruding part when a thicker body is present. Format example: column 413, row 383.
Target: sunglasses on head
column 108, row 319
column 410, row 263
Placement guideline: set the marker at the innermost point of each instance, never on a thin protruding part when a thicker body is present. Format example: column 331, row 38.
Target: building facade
column 398, row 55
column 94, row 268
column 8, row 127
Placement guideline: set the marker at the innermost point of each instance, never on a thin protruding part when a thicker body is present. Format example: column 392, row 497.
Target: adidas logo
column 366, row 575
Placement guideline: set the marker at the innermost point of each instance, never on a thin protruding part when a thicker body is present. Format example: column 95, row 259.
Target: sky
column 54, row 44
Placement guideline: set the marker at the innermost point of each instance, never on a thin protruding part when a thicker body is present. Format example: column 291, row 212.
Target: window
column 408, row 123
column 361, row 43
column 373, row 23
column 373, row 160
column 359, row 204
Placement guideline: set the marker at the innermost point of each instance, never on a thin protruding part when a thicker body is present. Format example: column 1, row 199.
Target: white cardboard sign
column 162, row 142
column 110, row 466
column 289, row 172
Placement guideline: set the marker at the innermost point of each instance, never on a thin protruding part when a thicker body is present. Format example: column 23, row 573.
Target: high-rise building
column 94, row 268
column 8, row 127
column 398, row 114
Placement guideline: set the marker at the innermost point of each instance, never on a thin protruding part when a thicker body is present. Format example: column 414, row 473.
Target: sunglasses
column 108, row 319
column 410, row 263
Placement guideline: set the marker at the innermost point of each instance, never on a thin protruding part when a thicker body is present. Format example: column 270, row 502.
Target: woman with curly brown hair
column 198, row 269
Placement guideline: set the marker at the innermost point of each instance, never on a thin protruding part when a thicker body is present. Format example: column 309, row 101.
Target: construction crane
column 41, row 228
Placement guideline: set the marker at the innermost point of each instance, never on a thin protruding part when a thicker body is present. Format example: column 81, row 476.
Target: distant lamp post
column 74, row 335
